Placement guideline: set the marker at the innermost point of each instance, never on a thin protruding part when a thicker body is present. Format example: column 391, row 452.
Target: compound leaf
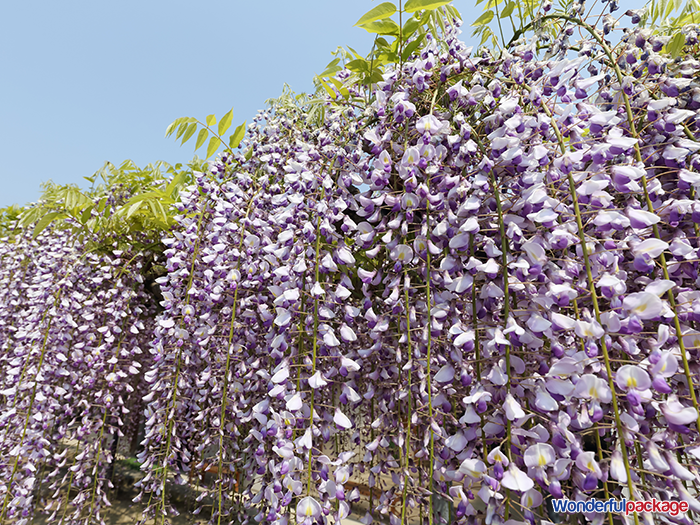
column 384, row 10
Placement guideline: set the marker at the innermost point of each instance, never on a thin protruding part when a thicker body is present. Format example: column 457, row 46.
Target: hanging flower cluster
column 472, row 294
column 74, row 332
column 481, row 288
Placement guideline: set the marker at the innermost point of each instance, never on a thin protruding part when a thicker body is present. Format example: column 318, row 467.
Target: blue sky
column 84, row 82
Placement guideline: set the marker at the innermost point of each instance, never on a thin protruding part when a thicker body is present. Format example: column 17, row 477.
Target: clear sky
column 84, row 82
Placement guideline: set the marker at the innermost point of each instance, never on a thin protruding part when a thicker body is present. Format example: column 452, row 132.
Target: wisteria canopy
column 444, row 291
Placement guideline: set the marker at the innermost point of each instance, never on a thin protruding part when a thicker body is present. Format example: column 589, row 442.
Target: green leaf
column 372, row 78
column 129, row 164
column 87, row 213
column 415, row 5
column 357, row 55
column 174, row 184
column 175, row 124
column 382, row 27
column 675, row 46
column 170, row 128
column 454, row 12
column 328, row 89
column 484, row 19
column 213, row 146
column 235, row 139
column 381, row 42
column 343, row 90
column 431, row 25
column 211, row 120
column 71, row 198
column 332, row 68
column 440, row 20
column 410, row 48
column 101, row 205
column 145, row 196
column 328, row 72
column 508, row 9
column 410, row 27
column 46, row 220
column 485, row 34
column 670, row 8
column 181, row 130
column 387, row 58
column 190, row 131
column 358, row 65
column 157, row 210
column 249, row 154
column 203, row 134
column 384, row 10
column 225, row 122
column 133, row 208
column 29, row 216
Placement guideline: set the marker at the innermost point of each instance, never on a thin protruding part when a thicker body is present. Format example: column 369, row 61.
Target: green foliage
column 530, row 16
column 185, row 127
column 657, row 14
column 485, row 18
column 237, row 136
column 676, row 44
column 399, row 34
column 385, row 27
column 9, row 220
column 225, row 122
column 382, row 11
column 131, row 463
column 302, row 106
column 415, row 5
column 125, row 205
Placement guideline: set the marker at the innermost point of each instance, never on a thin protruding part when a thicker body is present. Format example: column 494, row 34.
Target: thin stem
column 173, row 402
column 429, row 387
column 29, row 412
column 506, row 312
column 407, row 281
column 222, row 417
column 317, row 275
column 650, row 208
column 591, row 283
column 102, row 428
column 477, row 350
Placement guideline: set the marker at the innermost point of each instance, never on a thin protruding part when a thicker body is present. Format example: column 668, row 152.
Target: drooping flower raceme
column 480, row 291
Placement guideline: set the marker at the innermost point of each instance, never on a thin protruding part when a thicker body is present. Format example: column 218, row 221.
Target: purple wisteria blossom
column 476, row 293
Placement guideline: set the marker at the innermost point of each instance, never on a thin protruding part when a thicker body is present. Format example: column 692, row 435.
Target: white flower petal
column 516, row 479
column 342, row 420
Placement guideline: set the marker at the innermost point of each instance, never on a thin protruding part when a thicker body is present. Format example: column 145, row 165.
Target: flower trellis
column 472, row 295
